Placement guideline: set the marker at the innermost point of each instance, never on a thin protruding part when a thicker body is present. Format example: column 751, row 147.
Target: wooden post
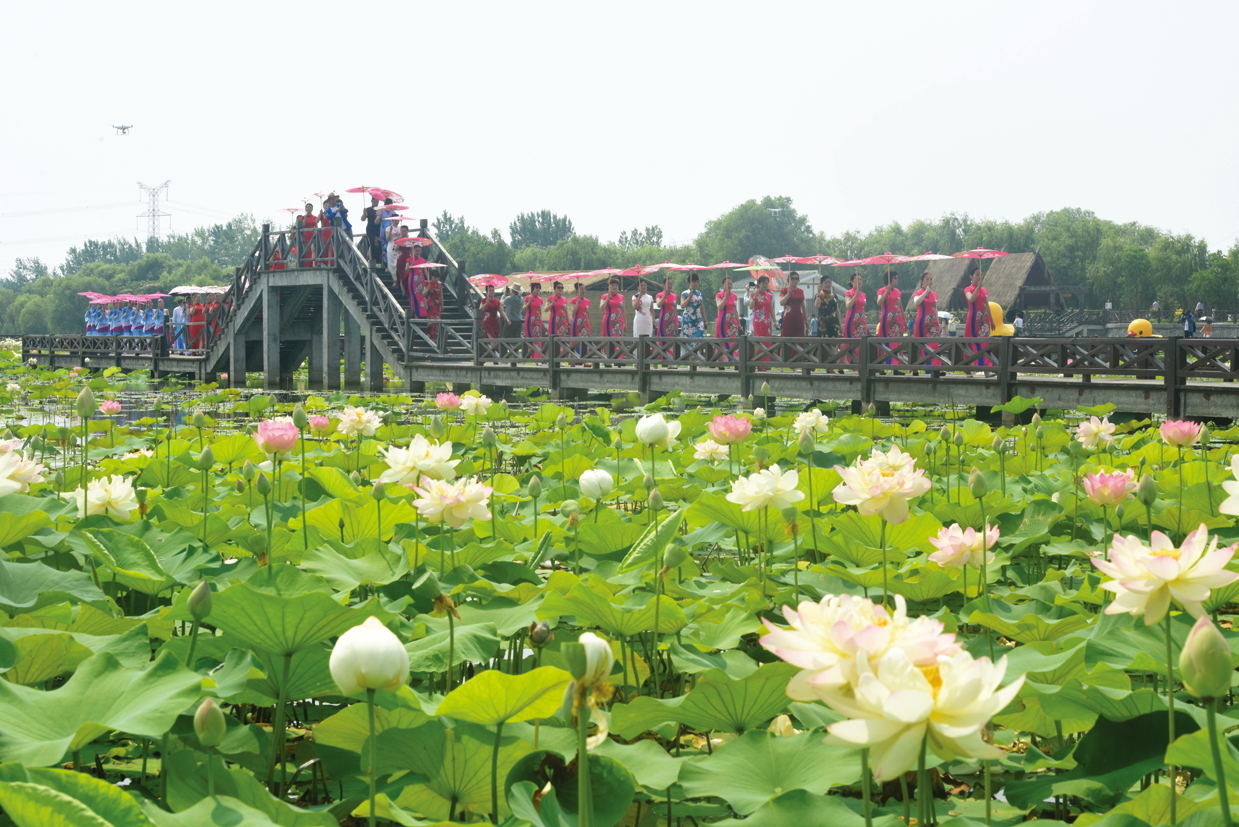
column 266, row 250
column 1005, row 369
column 643, row 368
column 270, row 337
column 236, row 358
column 746, row 380
column 374, row 363
column 1174, row 359
column 352, row 353
column 552, row 365
column 866, row 376
column 330, row 340
column 314, row 378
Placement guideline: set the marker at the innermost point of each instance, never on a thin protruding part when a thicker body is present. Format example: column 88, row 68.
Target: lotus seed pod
column 209, row 723
column 200, row 601
column 540, row 634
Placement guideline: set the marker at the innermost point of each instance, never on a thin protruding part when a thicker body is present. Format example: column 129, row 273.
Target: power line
column 153, row 214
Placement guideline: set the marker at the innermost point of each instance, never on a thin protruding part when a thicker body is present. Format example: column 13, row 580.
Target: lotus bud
column 209, row 723
column 206, row 459
column 1035, row 421
column 379, row 492
column 1146, row 490
column 368, row 657
column 262, row 484
column 1205, row 662
column 1037, row 433
column 648, row 481
column 240, row 486
column 437, row 428
column 675, row 557
column 807, row 443
column 59, row 479
column 958, row 439
column 85, row 403
column 977, row 484
column 300, row 418
column 652, row 429
column 656, row 500
column 569, row 507
column 1000, row 445
column 200, row 601
column 488, row 437
column 535, row 486
column 540, row 634
column 198, row 420
column 944, row 433
column 560, row 422
column 765, row 390
column 355, row 476
column 1203, row 441
column 248, row 470
column 871, row 410
column 596, row 483
column 87, row 361
column 589, row 660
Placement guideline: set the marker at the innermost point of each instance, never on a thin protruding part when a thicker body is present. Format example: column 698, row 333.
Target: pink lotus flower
column 1109, row 489
column 109, row 407
column 1180, row 433
column 728, row 430
column 447, row 402
column 320, row 424
column 963, row 546
column 276, row 436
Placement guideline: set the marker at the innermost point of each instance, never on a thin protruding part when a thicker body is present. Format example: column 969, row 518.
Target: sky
column 618, row 115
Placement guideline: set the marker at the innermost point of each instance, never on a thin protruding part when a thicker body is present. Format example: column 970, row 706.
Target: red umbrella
column 929, row 257
column 785, row 259
column 980, row 252
column 886, row 258
column 381, row 194
column 852, row 262
column 727, row 265
column 413, row 241
column 427, row 265
column 817, row 259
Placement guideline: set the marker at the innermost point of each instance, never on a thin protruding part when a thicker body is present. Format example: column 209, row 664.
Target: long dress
column 793, row 312
column 581, row 325
column 613, row 318
column 692, row 322
column 855, row 325
column 828, row 318
column 533, row 328
column 667, row 323
column 490, row 318
column 977, row 322
column 197, row 318
column 642, row 314
column 416, row 284
column 404, row 259
column 890, row 312
column 559, row 316
column 761, row 311
column 727, row 323
column 925, row 321
column 326, row 235
column 432, row 289
column 308, row 223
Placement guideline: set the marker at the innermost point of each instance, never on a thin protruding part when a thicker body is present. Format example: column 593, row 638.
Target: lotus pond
column 225, row 608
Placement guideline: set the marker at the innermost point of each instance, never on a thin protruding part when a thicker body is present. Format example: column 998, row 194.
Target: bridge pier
column 271, row 338
column 314, row 379
column 352, row 354
column 374, row 364
column 329, row 340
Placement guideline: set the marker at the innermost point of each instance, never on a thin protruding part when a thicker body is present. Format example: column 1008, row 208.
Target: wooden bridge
column 322, row 306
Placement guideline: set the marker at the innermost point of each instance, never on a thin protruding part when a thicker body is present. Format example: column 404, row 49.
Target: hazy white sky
column 618, row 114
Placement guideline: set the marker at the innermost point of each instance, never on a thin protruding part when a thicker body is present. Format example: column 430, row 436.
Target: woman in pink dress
column 432, row 291
column 559, row 311
column 727, row 320
column 667, row 321
column 581, row 325
column 977, row 321
column 533, row 328
column 854, row 324
column 925, row 315
column 890, row 313
column 613, row 313
column 761, row 310
column 791, row 299
column 308, row 222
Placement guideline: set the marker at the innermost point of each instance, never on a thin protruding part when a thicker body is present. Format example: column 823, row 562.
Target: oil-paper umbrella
column 727, row 265
column 980, row 253
column 929, row 257
column 488, row 280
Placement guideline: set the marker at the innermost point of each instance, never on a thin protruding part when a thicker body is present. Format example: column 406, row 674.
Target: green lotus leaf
column 493, row 697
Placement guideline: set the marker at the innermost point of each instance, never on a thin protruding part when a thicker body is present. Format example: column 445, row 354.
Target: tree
column 25, row 271
column 540, row 229
column 477, row 253
column 770, row 227
column 448, row 227
column 651, row 236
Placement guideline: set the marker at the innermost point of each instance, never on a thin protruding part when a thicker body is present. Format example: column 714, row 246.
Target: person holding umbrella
column 371, row 216
column 668, row 317
column 925, row 314
column 559, row 325
column 890, row 308
column 692, row 320
column 432, row 289
column 581, row 325
column 977, row 322
column 613, row 311
column 727, row 320
column 791, row 299
column 855, row 325
column 533, row 327
column 490, row 307
column 642, row 311
column 307, row 221
column 180, row 319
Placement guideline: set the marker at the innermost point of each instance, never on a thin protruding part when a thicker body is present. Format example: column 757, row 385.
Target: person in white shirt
column 1018, row 324
column 642, row 312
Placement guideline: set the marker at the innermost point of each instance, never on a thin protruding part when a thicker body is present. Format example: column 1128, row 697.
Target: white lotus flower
column 882, row 484
column 7, row 445
column 598, row 660
column 1230, row 505
column 369, row 656
column 811, row 421
column 772, row 487
column 897, row 704
column 13, row 387
column 17, row 473
column 1146, row 578
column 475, row 404
column 1094, row 433
column 113, row 496
column 595, row 483
column 356, row 421
column 959, row 547
column 422, row 458
column 455, row 503
column 710, row 450
column 653, row 429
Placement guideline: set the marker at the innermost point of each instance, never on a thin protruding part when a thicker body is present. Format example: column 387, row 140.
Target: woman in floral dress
column 727, row 320
column 855, row 325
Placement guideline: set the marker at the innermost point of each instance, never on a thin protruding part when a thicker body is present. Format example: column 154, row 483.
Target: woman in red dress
column 855, row 326
column 761, row 308
column 404, row 260
column 890, row 313
column 490, row 313
column 559, row 325
column 925, row 319
column 978, row 322
column 581, row 325
column 197, row 321
column 308, row 223
column 727, row 321
column 533, row 328
column 325, row 236
column 416, row 282
column 434, row 302
column 667, row 303
column 791, row 298
column 613, row 312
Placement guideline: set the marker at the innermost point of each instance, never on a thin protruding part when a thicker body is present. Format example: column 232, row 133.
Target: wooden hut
column 1021, row 281
column 950, row 278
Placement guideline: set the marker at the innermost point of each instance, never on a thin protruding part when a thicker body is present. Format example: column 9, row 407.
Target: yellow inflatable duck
column 997, row 327
column 1141, row 329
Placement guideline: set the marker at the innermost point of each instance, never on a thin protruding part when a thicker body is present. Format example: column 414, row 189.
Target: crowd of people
column 190, row 325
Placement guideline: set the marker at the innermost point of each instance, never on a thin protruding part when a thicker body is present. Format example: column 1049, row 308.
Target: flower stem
column 922, row 785
column 882, row 543
column 1218, row 766
column 277, row 729
column 1179, row 523
column 1174, row 815
column 305, row 529
column 193, row 642
column 867, row 803
column 494, row 775
column 584, row 803
column 373, row 753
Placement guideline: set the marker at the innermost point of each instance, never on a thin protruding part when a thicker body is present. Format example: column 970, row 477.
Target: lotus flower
column 596, row 483
column 13, row 387
column 320, row 424
column 958, row 547
column 454, row 503
column 1146, row 578
column 893, row 706
column 369, row 656
column 770, row 488
column 447, row 401
column 710, row 450
column 356, row 421
column 422, row 458
column 811, row 422
column 1109, row 489
column 17, row 473
column 1230, row 505
column 882, row 484
column 1180, row 433
column 598, row 661
column 7, row 445
column 113, row 496
column 1095, row 433
column 730, row 429
column 826, row 640
column 475, row 404
column 277, row 436
column 109, row 407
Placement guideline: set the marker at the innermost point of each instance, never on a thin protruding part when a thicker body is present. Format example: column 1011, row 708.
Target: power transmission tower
column 153, row 214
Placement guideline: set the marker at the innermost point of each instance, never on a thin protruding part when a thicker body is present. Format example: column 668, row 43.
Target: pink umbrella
column 980, row 252
column 852, row 262
column 412, row 241
column 605, row 271
column 817, row 259
column 886, row 258
column 727, row 265
column 381, row 193
column 929, row 257
column 785, row 259
column 393, row 206
column 427, row 265
column 488, row 280
column 639, row 270
column 91, row 294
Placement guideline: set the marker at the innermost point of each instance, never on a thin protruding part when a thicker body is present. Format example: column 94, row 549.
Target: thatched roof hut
column 950, row 278
column 1021, row 281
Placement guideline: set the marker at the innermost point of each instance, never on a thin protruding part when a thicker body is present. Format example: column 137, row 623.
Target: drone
column 123, row 129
